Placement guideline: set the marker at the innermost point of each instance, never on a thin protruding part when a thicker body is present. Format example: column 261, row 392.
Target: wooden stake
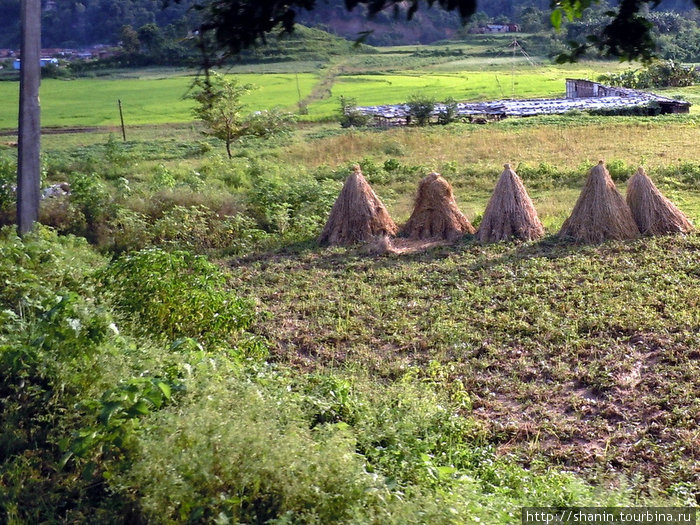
column 121, row 117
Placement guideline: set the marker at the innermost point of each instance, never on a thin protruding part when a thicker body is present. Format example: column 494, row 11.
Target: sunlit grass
column 565, row 143
column 148, row 100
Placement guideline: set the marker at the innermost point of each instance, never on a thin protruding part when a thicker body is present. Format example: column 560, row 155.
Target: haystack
column 357, row 215
column 510, row 212
column 654, row 213
column 435, row 212
column 600, row 213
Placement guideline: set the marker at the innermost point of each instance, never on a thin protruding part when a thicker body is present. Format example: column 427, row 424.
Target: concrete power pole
column 29, row 141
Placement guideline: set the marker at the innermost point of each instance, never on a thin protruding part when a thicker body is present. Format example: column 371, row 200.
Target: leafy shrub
column 350, row 116
column 230, row 171
column 448, row 114
column 270, row 122
column 163, row 178
column 92, row 197
column 8, row 181
column 420, row 109
column 34, row 268
column 619, row 170
column 130, row 230
column 53, row 342
column 200, row 229
column 667, row 73
column 341, row 451
column 175, row 295
column 282, row 205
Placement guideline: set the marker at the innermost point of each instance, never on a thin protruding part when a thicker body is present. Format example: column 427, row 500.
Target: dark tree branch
column 239, row 24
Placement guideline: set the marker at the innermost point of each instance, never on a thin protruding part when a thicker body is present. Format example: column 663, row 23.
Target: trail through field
column 322, row 89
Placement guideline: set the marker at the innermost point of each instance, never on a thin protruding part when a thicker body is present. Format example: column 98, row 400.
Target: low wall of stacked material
column 581, row 95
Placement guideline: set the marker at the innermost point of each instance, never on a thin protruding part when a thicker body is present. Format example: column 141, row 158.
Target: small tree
column 448, row 113
column 420, row 109
column 350, row 116
column 219, row 107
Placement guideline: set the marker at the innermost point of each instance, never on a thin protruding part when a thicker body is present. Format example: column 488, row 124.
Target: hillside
column 66, row 24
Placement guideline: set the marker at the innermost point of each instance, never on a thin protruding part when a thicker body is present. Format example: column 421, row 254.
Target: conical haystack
column 653, row 213
column 357, row 215
column 435, row 212
column 601, row 213
column 510, row 212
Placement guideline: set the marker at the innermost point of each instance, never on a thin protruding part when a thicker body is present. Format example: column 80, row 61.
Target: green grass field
column 149, row 100
column 156, row 97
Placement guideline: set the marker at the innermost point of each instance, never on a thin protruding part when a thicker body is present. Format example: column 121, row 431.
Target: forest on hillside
column 151, row 33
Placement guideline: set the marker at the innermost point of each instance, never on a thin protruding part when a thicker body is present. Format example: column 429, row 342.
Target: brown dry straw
column 510, row 212
column 357, row 215
column 435, row 212
column 654, row 213
column 600, row 213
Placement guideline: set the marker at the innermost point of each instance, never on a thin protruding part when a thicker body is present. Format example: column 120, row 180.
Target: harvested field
column 584, row 356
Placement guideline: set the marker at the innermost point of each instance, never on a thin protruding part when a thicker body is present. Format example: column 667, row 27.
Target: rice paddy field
column 273, row 380
column 147, row 99
column 155, row 96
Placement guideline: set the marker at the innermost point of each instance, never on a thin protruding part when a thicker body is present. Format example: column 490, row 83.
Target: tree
column 420, row 108
column 219, row 106
column 129, row 39
column 235, row 25
column 151, row 39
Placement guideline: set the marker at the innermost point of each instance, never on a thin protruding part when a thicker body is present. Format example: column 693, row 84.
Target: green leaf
column 140, row 407
column 445, row 472
column 555, row 18
column 64, row 459
column 108, row 410
column 165, row 388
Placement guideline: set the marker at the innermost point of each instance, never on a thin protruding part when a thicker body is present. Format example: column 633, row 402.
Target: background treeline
column 153, row 34
column 69, row 23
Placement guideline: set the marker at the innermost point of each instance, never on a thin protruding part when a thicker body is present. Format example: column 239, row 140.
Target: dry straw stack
column 435, row 212
column 653, row 213
column 357, row 215
column 600, row 213
column 510, row 212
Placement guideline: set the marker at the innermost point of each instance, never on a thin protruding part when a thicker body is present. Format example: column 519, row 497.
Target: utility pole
column 29, row 140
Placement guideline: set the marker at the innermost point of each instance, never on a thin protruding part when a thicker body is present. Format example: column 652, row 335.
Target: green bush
column 55, row 345
column 290, row 205
column 175, row 295
column 8, row 180
column 448, row 114
column 350, row 116
column 91, row 196
column 420, row 109
column 342, row 450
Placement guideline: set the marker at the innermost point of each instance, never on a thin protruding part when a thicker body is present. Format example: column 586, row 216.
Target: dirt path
column 322, row 89
column 60, row 131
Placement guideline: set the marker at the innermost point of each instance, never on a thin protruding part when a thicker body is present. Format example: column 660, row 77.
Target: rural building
column 496, row 28
column 17, row 64
column 577, row 88
column 581, row 95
